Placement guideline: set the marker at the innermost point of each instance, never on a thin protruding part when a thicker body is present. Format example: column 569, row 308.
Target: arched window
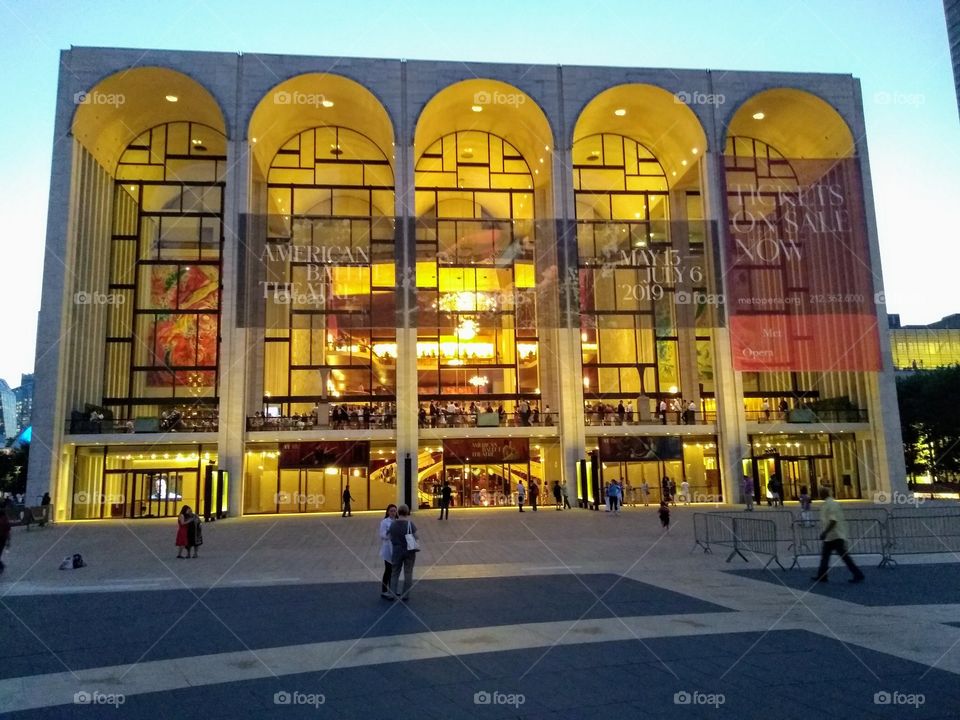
column 163, row 327
column 477, row 336
column 628, row 323
column 330, row 328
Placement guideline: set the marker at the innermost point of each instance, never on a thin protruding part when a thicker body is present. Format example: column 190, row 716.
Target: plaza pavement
column 576, row 614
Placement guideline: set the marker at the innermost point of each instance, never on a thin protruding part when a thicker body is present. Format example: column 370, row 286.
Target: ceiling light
column 758, row 116
column 695, row 150
column 620, row 112
column 683, row 162
column 172, row 98
column 476, row 108
column 327, row 103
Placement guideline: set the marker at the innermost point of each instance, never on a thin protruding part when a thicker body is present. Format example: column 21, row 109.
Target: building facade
column 24, row 397
column 287, row 277
column 925, row 347
column 8, row 412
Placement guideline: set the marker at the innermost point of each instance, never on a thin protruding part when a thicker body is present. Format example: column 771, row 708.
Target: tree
column 929, row 421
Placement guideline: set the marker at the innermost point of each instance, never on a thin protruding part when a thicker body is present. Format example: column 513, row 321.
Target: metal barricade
column 740, row 534
column 865, row 536
column 916, row 533
column 782, row 519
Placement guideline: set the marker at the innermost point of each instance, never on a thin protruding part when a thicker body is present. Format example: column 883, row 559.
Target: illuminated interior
column 636, row 157
column 330, row 292
column 480, row 190
column 139, row 481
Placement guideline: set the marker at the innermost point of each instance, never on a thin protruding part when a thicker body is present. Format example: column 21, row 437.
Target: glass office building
column 273, row 279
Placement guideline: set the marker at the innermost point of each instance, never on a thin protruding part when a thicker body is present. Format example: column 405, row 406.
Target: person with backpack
column 404, row 556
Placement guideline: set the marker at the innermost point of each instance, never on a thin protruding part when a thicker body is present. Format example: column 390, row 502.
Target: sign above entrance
column 625, row 449
column 324, row 454
column 492, row 450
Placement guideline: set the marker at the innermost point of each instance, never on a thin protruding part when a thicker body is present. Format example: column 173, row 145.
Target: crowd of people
column 456, row 414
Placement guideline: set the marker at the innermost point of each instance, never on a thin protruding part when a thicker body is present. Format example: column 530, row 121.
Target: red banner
column 799, row 287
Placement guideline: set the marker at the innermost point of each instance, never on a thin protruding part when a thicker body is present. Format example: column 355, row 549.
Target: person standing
column 184, row 521
column 347, row 498
column 386, row 551
column 403, row 557
column 834, row 537
column 665, row 488
column 534, row 494
column 748, row 491
column 645, row 493
column 766, row 410
column 621, row 412
column 613, row 492
column 557, row 495
column 673, row 491
column 806, row 515
column 566, row 499
column 521, row 494
column 664, row 513
column 663, row 412
column 4, row 531
column 685, row 492
column 446, row 494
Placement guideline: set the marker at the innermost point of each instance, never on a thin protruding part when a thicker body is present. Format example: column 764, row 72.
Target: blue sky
column 898, row 49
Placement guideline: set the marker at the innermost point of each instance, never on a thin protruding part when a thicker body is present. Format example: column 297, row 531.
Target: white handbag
column 412, row 545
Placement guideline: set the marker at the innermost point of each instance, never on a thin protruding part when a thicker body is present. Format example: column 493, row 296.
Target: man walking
column 446, row 494
column 834, row 538
column 347, row 497
column 521, row 494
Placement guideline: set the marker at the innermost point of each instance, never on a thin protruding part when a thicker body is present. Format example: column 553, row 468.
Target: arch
column 652, row 116
column 491, row 106
column 330, row 193
column 117, row 109
column 315, row 100
column 799, row 124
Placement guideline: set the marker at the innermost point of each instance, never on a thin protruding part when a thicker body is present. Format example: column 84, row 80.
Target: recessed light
column 620, row 112
column 695, row 150
column 477, row 108
column 172, row 98
column 683, row 162
column 327, row 103
column 758, row 116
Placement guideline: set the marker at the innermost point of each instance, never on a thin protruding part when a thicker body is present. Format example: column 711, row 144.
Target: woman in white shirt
column 386, row 550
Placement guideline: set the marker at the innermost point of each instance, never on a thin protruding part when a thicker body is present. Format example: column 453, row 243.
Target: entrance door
column 156, row 494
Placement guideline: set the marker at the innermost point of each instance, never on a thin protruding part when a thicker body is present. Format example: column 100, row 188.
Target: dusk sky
column 898, row 49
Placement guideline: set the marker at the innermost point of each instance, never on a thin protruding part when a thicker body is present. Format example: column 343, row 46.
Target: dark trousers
column 566, row 503
column 346, row 509
column 533, row 502
column 444, row 509
column 385, row 580
column 838, row 546
column 520, row 503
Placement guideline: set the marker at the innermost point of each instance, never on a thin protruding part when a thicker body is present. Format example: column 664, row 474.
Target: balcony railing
column 171, row 422
column 261, row 423
column 672, row 417
column 808, row 415
column 489, row 419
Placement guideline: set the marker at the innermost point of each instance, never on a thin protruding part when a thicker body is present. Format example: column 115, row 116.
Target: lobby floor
column 576, row 614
